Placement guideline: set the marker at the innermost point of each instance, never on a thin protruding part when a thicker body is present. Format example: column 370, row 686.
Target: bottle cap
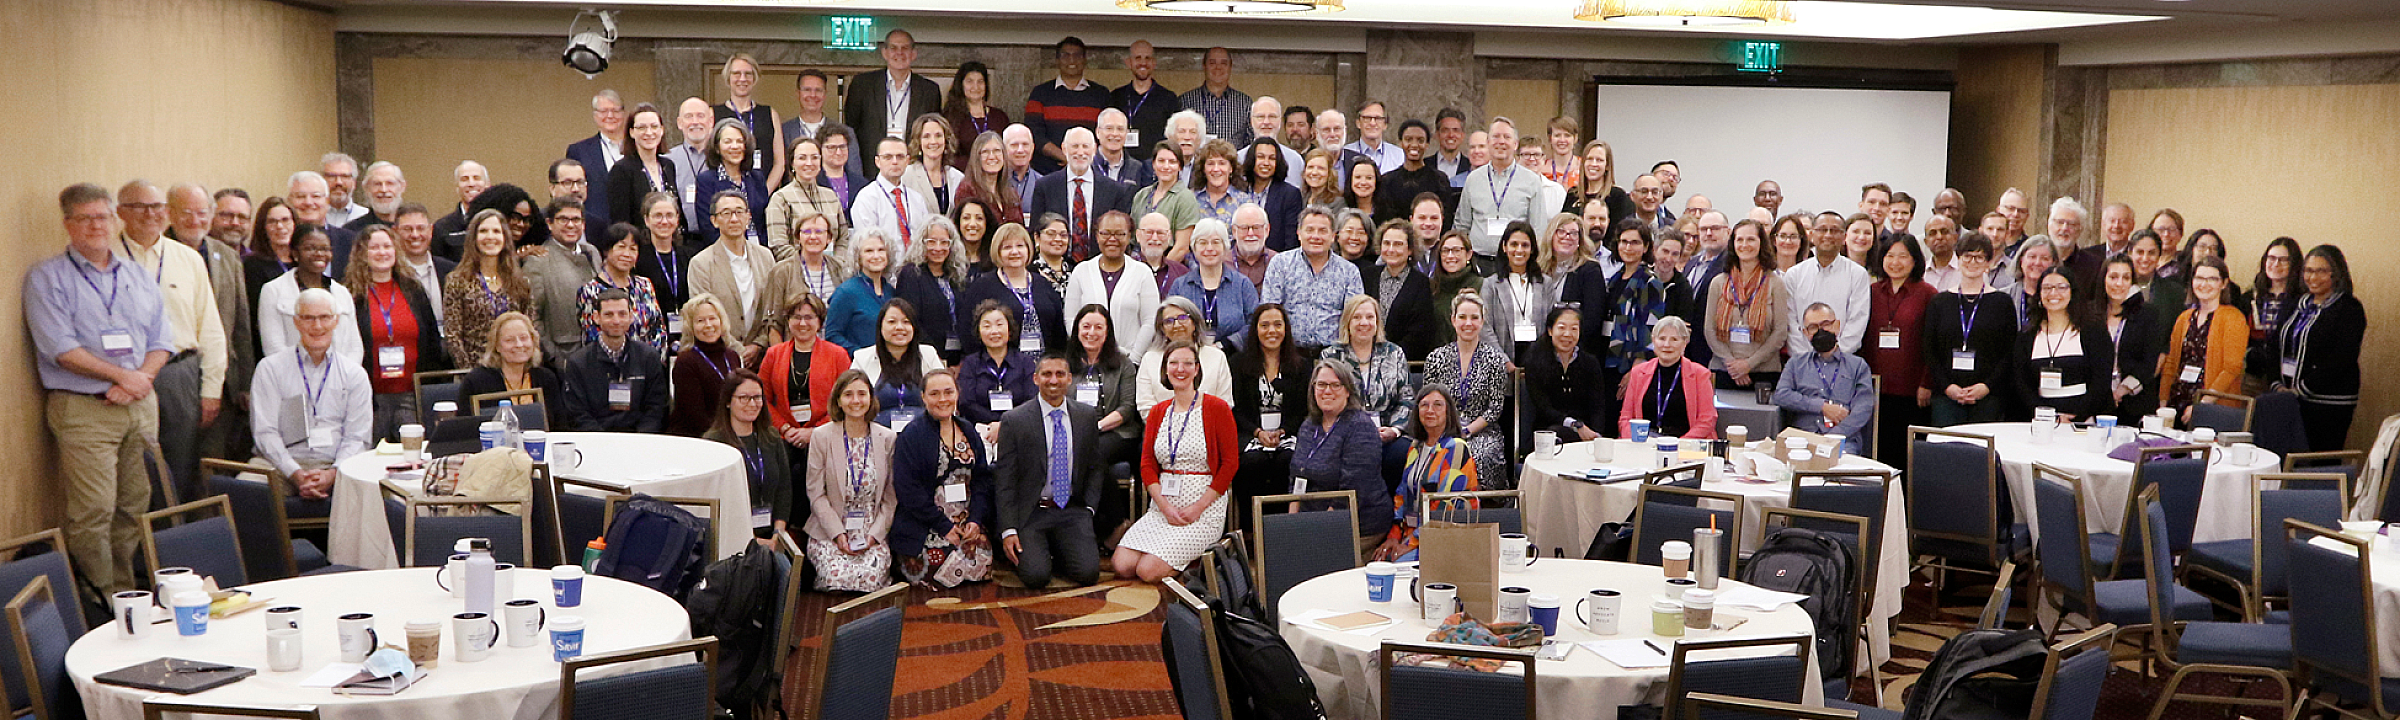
column 597, row 544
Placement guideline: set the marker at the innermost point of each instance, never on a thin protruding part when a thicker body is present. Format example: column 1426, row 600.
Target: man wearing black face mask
column 1827, row 391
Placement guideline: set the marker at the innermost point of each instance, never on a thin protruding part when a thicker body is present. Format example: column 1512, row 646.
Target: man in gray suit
column 557, row 276
column 220, row 241
column 1049, row 481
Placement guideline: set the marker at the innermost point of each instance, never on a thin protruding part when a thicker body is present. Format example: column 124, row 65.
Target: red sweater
column 1224, row 444
column 1903, row 367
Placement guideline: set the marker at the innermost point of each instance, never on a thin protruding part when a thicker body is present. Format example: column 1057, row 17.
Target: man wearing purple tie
column 1047, row 489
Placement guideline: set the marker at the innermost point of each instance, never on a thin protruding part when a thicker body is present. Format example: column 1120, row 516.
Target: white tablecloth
column 2225, row 499
column 1582, row 686
column 513, row 683
column 647, row 463
column 1563, row 512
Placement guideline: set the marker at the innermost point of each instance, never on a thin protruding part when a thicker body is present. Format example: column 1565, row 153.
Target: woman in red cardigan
column 799, row 372
column 1681, row 402
column 1192, row 452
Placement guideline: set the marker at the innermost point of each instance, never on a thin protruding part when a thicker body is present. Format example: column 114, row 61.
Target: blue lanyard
column 1502, row 186
column 1175, row 444
column 324, row 378
column 1968, row 308
column 999, row 375
column 158, row 274
column 1323, row 434
column 1138, row 102
column 1827, row 372
column 109, row 303
column 713, row 366
column 1673, row 384
column 758, row 465
column 668, row 271
column 385, row 307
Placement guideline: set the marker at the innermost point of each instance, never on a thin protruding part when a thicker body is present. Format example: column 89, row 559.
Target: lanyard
column 2060, row 342
column 668, row 271
column 158, row 274
column 999, row 375
column 385, row 307
column 1968, row 308
column 949, row 294
column 1208, row 303
column 109, row 303
column 713, row 365
column 1676, row 383
column 324, row 378
column 1136, row 110
column 2298, row 332
column 857, row 460
column 1502, row 186
column 1031, row 323
column 1175, row 444
column 1323, row 434
column 819, row 281
column 1827, row 372
column 1524, row 292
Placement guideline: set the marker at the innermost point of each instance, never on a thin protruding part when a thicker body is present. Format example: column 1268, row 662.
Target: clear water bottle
column 512, row 433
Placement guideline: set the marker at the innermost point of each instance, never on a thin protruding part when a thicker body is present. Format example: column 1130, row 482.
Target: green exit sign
column 1763, row 57
column 849, row 32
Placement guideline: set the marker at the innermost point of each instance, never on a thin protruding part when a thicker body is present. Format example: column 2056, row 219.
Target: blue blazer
column 914, row 484
column 595, row 176
column 712, row 179
column 851, row 313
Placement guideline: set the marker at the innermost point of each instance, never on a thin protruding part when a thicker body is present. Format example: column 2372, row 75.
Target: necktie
column 900, row 205
column 1078, row 225
column 1060, row 488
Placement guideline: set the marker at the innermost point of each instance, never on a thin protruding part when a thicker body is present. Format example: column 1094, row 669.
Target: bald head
column 1018, row 141
column 694, row 118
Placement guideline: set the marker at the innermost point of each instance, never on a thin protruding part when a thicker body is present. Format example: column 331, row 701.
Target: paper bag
column 1466, row 555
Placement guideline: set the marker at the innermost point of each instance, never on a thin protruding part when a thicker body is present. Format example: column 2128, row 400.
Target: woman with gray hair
column 851, row 313
column 1225, row 297
column 1338, row 448
column 935, row 271
column 1675, row 396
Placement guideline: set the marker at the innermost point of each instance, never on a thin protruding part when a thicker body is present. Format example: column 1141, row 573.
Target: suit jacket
column 618, row 198
column 227, row 278
column 1023, row 468
column 712, row 272
column 588, row 152
column 557, row 279
column 1051, row 194
column 863, row 106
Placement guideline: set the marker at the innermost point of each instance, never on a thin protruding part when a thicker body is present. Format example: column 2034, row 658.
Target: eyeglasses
column 144, row 207
column 750, row 398
column 2317, row 271
column 568, row 219
column 571, row 183
column 89, row 219
column 1372, row 118
column 1326, row 385
column 732, row 213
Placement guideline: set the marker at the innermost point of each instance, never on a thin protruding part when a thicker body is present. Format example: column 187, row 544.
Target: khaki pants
column 100, row 454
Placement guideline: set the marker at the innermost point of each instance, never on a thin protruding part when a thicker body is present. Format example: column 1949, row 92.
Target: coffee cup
column 283, row 616
column 444, row 410
column 1512, row 605
column 1544, row 612
column 1545, row 442
column 133, row 613
column 283, row 648
column 412, row 442
column 191, row 613
column 448, row 578
column 159, row 579
column 1517, row 552
column 356, row 633
column 476, row 633
column 1597, row 610
column 566, row 586
column 1676, row 586
column 524, row 620
column 562, row 456
column 566, row 638
column 1640, row 430
column 1436, row 601
column 1379, row 582
column 537, row 445
column 1675, row 557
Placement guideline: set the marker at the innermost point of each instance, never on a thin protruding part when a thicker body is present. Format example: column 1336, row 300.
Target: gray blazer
column 557, row 278
column 1500, row 310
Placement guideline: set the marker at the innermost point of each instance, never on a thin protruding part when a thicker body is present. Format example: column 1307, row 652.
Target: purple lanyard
column 1968, row 308
column 2296, row 333
column 1827, row 372
column 158, row 274
column 324, row 378
column 1672, row 385
column 1323, row 434
column 713, row 366
column 1175, row 444
column 857, row 461
column 385, row 307
column 108, row 305
column 668, row 271
column 1502, row 186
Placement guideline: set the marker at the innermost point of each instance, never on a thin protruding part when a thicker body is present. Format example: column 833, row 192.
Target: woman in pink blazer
column 1654, row 396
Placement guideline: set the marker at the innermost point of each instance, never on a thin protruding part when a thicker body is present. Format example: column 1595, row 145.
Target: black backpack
column 1263, row 679
column 1235, row 594
column 739, row 600
column 1980, row 675
column 655, row 544
column 1799, row 560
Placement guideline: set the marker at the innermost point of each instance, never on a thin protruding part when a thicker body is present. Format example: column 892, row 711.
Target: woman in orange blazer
column 2206, row 355
column 1644, row 387
column 825, row 362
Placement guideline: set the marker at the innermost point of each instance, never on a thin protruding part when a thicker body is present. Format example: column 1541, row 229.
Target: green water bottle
column 591, row 553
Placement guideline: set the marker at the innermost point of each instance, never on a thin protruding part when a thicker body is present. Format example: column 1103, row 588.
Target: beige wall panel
column 1995, row 124
column 1531, row 103
column 514, row 116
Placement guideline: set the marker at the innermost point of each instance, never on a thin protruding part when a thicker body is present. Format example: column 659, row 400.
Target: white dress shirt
column 1841, row 286
column 873, row 207
column 293, row 400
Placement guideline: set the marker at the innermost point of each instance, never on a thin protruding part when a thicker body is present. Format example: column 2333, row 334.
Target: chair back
column 2222, row 411
column 428, row 541
column 1427, row 692
column 1199, row 673
column 2004, row 592
column 857, row 658
column 36, row 627
column 51, row 565
column 1687, row 476
column 258, row 513
column 2332, row 599
column 2063, row 548
column 1296, row 546
column 2277, row 421
column 2314, row 498
column 2180, row 472
column 157, row 708
column 682, row 691
column 1712, row 705
column 1777, row 677
column 433, row 387
column 1954, row 492
column 707, row 509
column 1672, row 513
column 787, row 620
column 577, row 518
column 1469, row 507
column 2351, row 464
column 529, row 397
column 210, row 545
column 2158, row 572
column 1858, row 493
column 2073, row 675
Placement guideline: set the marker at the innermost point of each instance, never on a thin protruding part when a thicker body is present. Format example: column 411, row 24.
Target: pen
column 1654, row 647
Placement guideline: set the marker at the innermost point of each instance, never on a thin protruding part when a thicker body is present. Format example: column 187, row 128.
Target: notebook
column 175, row 675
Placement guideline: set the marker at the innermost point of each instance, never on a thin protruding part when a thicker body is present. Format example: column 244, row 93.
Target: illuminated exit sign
column 849, row 32
column 1764, row 57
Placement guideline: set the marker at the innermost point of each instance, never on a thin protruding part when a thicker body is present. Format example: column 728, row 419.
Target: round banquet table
column 1342, row 664
column 670, row 465
column 1564, row 511
column 2383, row 566
column 2225, row 499
column 513, row 683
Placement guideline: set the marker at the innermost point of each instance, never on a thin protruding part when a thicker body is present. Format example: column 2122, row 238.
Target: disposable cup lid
column 566, row 572
column 566, row 623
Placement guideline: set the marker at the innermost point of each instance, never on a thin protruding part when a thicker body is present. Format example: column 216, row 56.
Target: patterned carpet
column 996, row 651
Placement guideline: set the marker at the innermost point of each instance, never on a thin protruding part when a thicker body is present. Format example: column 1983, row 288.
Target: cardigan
column 1902, row 366
column 826, row 363
column 2228, row 339
column 829, row 487
column 1556, row 392
column 1410, row 320
column 1118, row 392
column 914, row 482
column 1048, row 308
column 1699, row 398
column 978, row 376
column 628, row 182
column 2093, row 376
column 853, row 316
column 1130, row 307
column 1349, row 456
column 1224, row 448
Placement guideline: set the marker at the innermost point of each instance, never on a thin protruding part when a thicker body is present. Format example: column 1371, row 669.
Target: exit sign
column 849, row 32
column 1766, row 57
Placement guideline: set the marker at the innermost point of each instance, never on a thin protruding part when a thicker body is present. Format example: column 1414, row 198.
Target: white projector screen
column 1819, row 144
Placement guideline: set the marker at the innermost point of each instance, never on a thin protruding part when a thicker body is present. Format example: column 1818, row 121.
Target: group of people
column 952, row 364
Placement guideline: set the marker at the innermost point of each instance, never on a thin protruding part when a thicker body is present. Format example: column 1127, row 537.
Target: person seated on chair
column 512, row 361
column 617, row 384
column 1049, row 480
column 311, row 407
column 1827, row 391
column 1677, row 397
column 1439, row 460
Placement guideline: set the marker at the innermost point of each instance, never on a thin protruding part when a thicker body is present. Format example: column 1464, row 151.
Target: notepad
column 1629, row 654
column 1362, row 622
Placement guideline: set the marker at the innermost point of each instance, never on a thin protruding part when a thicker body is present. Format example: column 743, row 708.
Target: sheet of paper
column 1756, row 598
column 332, row 674
column 1630, row 654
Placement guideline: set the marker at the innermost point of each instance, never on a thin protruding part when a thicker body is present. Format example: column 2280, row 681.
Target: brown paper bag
column 1466, row 555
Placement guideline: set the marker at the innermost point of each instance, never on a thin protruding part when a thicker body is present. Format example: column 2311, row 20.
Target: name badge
column 761, row 517
column 320, row 438
column 1170, row 484
column 1270, row 421
column 117, row 343
column 1495, row 226
column 1888, row 339
column 391, row 361
column 1299, row 485
column 620, row 395
column 1740, row 334
column 1525, row 332
column 1962, row 361
column 855, row 521
column 1029, row 345
column 1002, row 400
column 950, row 344
column 2291, row 369
column 2052, row 380
column 674, row 323
column 690, row 193
column 1088, row 393
column 901, row 417
column 800, row 413
column 954, row 492
column 1608, row 328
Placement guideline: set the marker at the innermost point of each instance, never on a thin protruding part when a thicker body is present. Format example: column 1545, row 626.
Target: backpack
column 1799, row 560
column 1263, row 679
column 655, row 544
column 1980, row 675
column 739, row 600
column 1234, row 578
